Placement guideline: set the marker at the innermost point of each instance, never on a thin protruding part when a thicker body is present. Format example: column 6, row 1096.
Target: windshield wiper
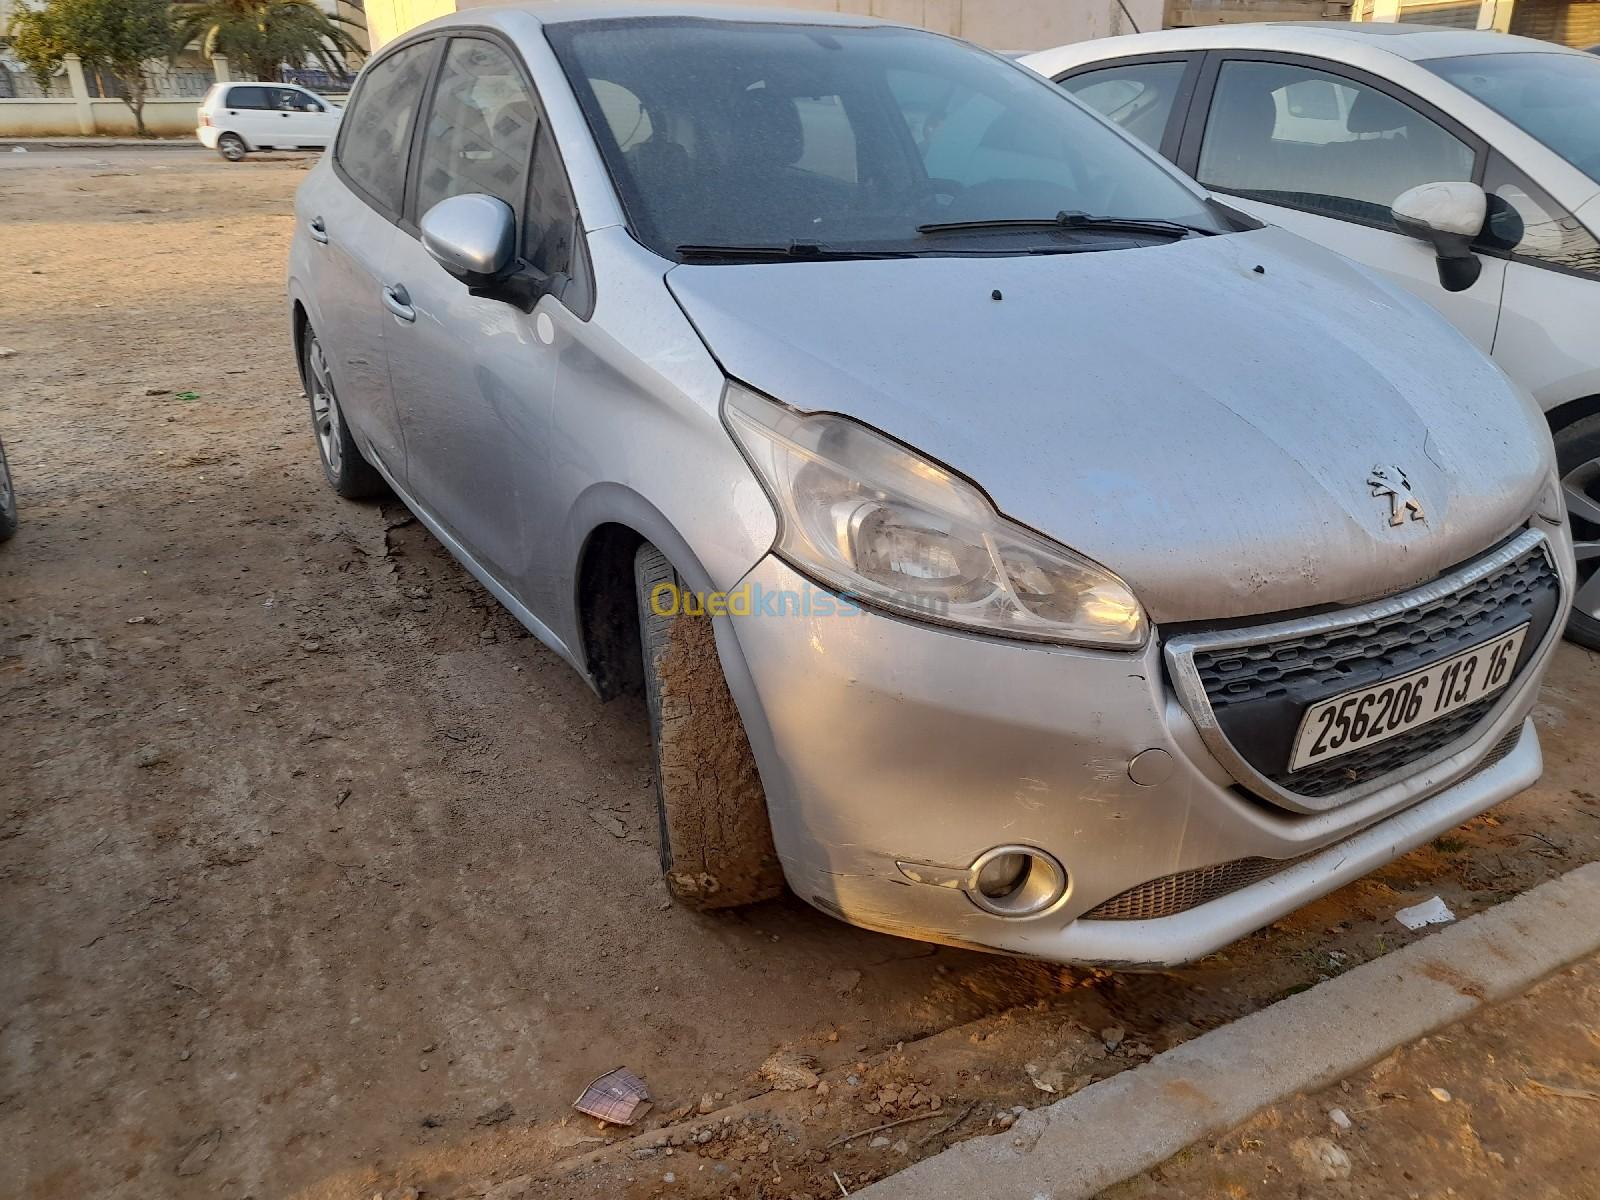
column 801, row 251
column 1072, row 221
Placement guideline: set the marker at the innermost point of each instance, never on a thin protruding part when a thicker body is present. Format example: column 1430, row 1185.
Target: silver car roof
column 1401, row 39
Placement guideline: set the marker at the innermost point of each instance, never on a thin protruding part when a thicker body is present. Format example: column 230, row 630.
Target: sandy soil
column 321, row 880
column 1502, row 1105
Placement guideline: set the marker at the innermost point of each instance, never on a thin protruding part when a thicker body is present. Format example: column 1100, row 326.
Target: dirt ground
column 320, row 879
column 1501, row 1105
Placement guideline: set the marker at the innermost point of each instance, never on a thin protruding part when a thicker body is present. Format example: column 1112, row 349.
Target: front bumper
column 883, row 742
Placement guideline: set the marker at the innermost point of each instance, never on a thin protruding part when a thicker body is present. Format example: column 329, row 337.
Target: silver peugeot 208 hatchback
column 797, row 370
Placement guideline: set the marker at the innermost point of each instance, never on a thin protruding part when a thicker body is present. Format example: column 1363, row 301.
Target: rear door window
column 375, row 136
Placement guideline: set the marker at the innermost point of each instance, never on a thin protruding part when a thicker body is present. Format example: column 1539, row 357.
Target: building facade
column 1569, row 22
column 999, row 24
column 1187, row 14
column 1012, row 25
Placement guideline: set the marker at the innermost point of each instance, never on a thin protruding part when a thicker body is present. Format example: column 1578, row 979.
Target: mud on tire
column 716, row 840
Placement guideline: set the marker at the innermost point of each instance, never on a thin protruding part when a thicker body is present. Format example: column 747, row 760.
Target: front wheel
column 231, row 146
column 716, row 840
column 1578, row 460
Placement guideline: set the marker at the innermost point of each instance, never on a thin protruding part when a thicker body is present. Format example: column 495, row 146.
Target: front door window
column 1295, row 136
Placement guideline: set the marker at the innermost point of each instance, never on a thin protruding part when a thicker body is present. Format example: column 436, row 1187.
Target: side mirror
column 474, row 237
column 1450, row 217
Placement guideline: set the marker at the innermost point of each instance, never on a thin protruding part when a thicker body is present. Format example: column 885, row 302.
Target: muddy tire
column 1578, row 462
column 231, row 146
column 716, row 841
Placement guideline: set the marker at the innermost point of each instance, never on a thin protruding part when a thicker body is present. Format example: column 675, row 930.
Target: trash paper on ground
column 616, row 1097
column 1429, row 912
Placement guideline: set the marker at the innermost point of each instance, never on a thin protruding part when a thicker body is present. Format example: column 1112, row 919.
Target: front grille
column 1173, row 894
column 1396, row 644
column 1179, row 892
column 1258, row 692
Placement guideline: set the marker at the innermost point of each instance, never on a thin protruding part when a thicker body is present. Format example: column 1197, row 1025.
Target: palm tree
column 262, row 35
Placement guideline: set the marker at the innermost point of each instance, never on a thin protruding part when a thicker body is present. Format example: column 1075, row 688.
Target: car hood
column 1201, row 417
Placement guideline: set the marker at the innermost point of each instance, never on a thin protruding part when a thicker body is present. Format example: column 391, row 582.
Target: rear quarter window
column 248, row 97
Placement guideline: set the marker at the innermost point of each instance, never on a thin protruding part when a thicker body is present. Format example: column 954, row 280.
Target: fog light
column 1016, row 881
column 1003, row 875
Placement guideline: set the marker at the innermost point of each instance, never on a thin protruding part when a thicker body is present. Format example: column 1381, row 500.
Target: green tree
column 115, row 36
column 261, row 35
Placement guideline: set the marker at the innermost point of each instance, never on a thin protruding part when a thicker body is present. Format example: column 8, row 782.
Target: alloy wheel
column 324, row 406
column 1581, row 490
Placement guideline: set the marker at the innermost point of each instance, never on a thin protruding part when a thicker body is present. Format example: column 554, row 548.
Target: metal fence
column 317, row 80
column 191, row 83
column 159, row 85
column 18, row 83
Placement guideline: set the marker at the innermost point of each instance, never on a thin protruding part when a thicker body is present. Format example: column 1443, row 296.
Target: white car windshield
column 1552, row 97
column 799, row 140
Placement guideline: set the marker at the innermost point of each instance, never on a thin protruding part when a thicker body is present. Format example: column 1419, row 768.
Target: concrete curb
column 1136, row 1120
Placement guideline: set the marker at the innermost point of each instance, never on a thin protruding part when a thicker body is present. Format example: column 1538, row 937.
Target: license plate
column 1375, row 714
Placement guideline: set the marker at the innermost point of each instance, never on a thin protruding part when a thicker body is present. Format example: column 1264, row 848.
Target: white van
column 236, row 118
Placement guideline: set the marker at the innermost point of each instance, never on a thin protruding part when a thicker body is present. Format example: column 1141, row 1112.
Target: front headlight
column 874, row 520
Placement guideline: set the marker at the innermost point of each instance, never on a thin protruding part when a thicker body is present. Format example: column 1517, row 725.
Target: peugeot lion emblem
column 1392, row 482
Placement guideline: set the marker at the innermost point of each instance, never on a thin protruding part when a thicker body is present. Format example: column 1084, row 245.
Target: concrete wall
column 38, row 118
column 1000, row 24
column 113, row 118
column 387, row 19
column 163, row 118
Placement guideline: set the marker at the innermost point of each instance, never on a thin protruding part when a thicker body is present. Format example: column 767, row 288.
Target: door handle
column 319, row 230
column 398, row 301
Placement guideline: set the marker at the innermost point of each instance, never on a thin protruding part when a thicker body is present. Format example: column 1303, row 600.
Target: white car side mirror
column 1449, row 217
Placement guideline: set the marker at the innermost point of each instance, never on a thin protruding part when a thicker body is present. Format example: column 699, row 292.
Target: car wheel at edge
column 1578, row 460
column 231, row 146
column 716, row 840
column 346, row 468
column 8, row 498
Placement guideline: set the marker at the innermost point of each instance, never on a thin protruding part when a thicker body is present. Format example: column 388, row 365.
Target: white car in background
column 1326, row 128
column 236, row 118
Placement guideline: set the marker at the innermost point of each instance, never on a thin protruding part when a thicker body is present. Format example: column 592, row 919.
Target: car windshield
column 1553, row 97
column 869, row 139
